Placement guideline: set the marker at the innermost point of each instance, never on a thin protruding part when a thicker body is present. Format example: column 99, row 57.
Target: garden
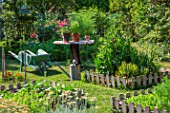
column 72, row 56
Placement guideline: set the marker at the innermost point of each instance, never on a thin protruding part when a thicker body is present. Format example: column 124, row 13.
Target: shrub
column 127, row 70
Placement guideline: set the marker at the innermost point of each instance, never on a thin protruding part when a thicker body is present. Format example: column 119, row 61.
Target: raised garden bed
column 137, row 82
column 45, row 96
column 126, row 106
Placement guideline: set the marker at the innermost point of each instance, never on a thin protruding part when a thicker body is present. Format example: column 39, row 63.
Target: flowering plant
column 19, row 76
column 45, row 27
column 64, row 26
column 33, row 35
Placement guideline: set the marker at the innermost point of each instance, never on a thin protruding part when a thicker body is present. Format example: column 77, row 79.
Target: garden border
column 19, row 86
column 141, row 81
column 120, row 103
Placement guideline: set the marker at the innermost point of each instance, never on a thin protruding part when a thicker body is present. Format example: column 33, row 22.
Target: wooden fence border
column 120, row 103
column 133, row 82
column 19, row 86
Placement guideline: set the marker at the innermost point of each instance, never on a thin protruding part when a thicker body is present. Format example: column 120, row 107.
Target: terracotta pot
column 66, row 37
column 76, row 37
column 87, row 38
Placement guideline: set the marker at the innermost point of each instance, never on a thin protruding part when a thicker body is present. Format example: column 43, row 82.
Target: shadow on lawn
column 50, row 72
column 12, row 67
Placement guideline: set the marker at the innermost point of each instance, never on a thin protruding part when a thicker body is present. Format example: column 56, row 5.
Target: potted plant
column 75, row 29
column 88, row 26
column 86, row 23
column 65, row 30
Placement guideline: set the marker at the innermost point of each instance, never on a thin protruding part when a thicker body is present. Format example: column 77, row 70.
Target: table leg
column 74, row 51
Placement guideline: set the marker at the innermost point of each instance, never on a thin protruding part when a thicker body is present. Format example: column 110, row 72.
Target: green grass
column 102, row 94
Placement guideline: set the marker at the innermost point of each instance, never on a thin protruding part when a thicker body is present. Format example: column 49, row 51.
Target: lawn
column 102, row 94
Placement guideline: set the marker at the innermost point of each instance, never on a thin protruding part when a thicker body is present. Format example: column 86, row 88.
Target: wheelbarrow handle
column 14, row 55
column 31, row 53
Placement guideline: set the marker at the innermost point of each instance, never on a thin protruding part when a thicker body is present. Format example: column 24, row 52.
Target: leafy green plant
column 85, row 20
column 41, row 93
column 127, row 70
column 75, row 27
column 88, row 24
column 160, row 97
column 144, row 100
column 114, row 49
column 83, row 77
column 162, row 94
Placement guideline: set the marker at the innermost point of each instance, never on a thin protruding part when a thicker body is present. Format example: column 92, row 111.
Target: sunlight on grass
column 102, row 93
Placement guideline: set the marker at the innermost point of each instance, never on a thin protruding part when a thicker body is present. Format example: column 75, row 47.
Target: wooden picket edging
column 133, row 82
column 12, row 88
column 68, row 98
column 18, row 86
column 120, row 104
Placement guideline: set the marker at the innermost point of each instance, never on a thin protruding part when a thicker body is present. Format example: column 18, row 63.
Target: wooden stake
column 3, row 63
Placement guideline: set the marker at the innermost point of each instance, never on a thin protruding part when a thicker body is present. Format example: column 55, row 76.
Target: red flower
column 33, row 35
column 9, row 73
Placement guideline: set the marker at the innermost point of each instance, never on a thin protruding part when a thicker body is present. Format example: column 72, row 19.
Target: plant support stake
column 3, row 63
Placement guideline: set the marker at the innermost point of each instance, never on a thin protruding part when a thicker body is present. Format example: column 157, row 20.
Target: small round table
column 75, row 56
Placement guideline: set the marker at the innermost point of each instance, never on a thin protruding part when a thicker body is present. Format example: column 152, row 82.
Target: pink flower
column 33, row 35
column 62, row 23
column 65, row 22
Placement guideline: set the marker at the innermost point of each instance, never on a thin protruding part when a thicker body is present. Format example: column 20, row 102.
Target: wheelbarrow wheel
column 43, row 68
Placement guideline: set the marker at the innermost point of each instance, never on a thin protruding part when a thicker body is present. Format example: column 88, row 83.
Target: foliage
column 102, row 4
column 116, row 49
column 46, row 28
column 44, row 97
column 127, row 69
column 85, row 20
column 144, row 100
column 88, row 24
column 84, row 77
column 161, row 49
column 58, row 52
column 75, row 27
column 160, row 98
column 34, row 96
column 161, row 93
column 50, row 6
column 16, row 23
column 161, row 16
column 143, row 18
column 64, row 26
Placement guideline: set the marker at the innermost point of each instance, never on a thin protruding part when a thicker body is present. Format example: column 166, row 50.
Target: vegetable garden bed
column 46, row 96
column 127, row 104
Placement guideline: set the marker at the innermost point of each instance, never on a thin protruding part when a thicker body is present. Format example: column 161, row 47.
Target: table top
column 81, row 42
